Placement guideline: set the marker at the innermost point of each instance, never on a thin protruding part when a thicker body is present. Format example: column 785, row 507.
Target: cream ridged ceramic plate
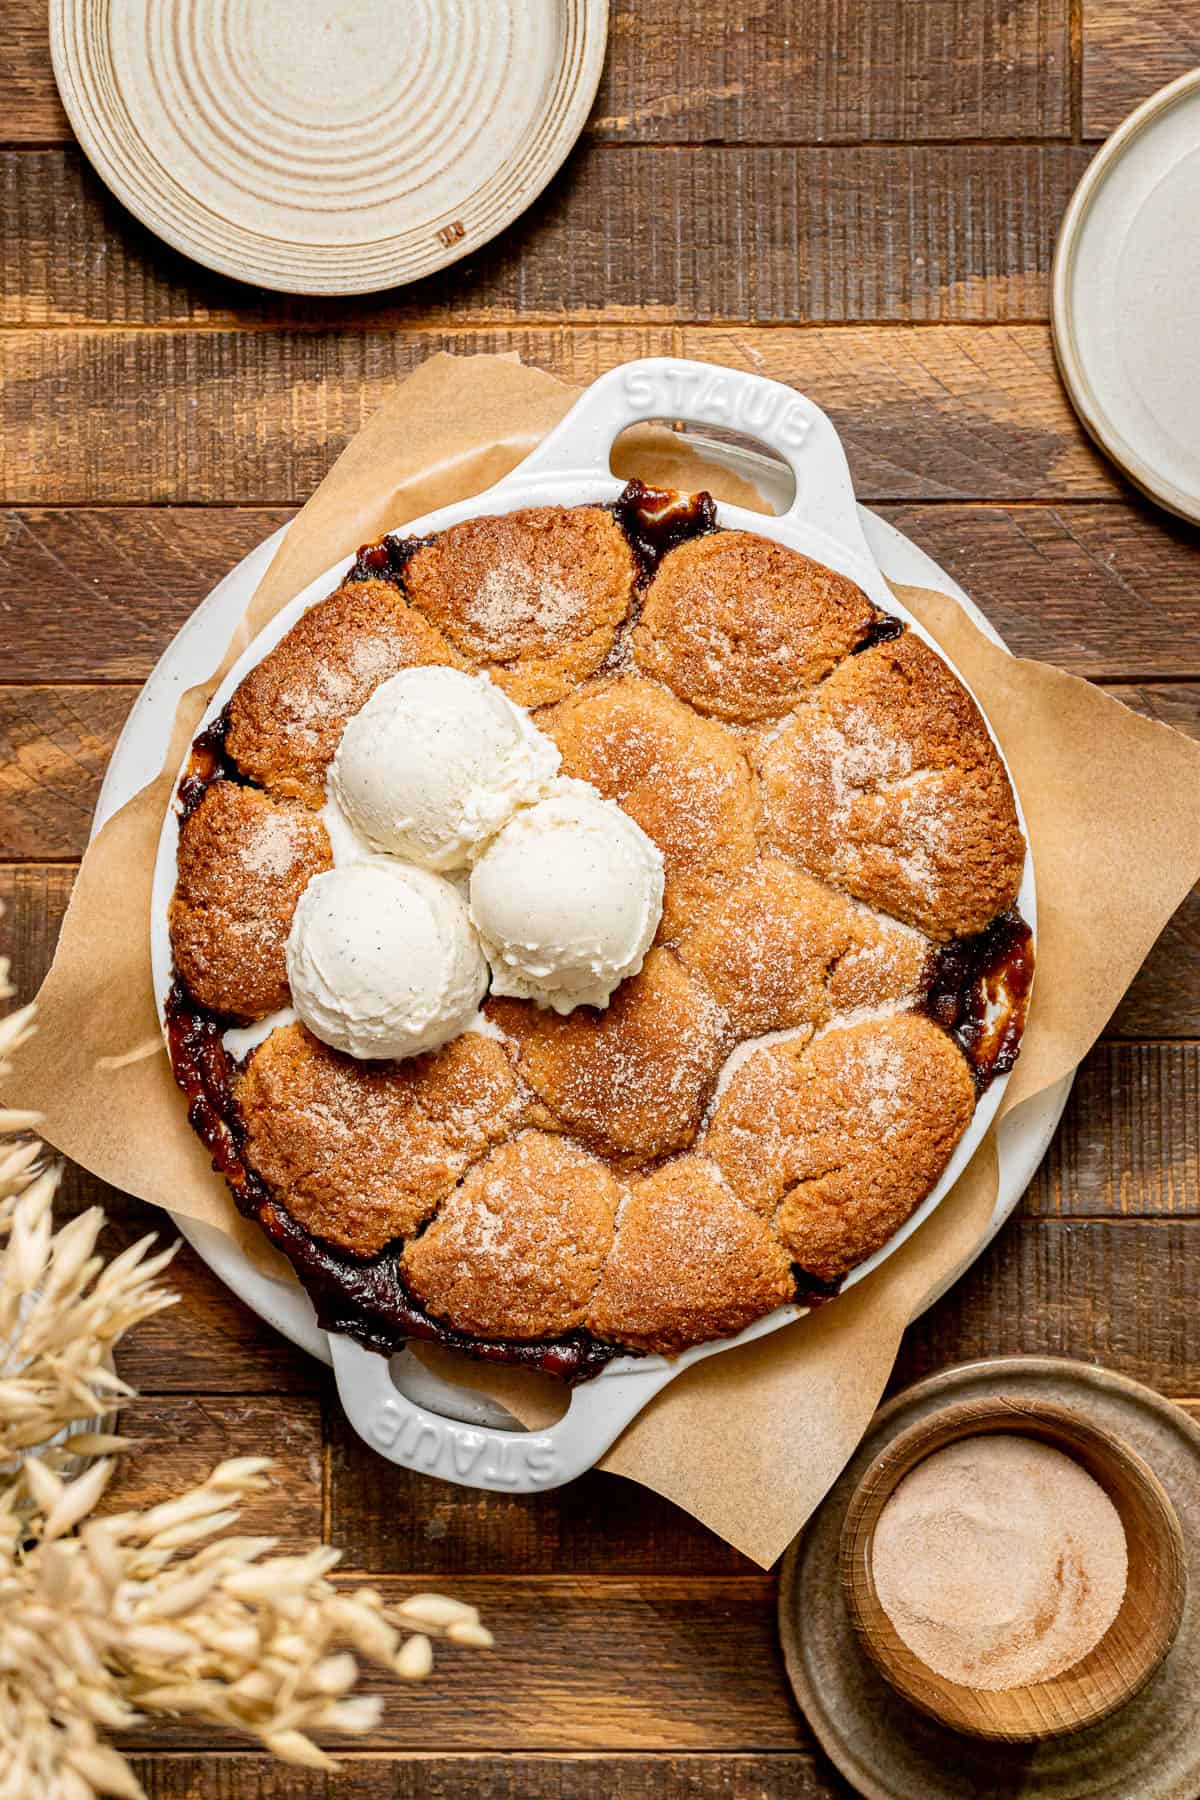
column 321, row 148
column 1126, row 297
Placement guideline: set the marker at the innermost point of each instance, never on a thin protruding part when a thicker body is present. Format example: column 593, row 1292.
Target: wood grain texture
column 210, row 1343
column 751, row 70
column 1130, row 49
column 815, row 70
column 440, row 1776
column 1092, row 1290
column 1105, row 589
column 98, row 595
column 1129, row 1141
column 1120, row 1292
column 588, row 1663
column 927, row 412
column 943, row 232
column 30, row 109
column 411, row 1525
column 778, row 187
column 55, row 743
column 180, row 1438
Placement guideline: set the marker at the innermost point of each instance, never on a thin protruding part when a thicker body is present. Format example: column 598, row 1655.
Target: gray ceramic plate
column 1150, row 1750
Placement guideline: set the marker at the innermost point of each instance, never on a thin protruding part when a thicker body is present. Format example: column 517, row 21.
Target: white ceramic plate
column 571, row 466
column 321, row 148
column 1126, row 297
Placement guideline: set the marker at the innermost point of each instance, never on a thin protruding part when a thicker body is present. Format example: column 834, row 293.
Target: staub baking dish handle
column 507, row 1462
column 696, row 393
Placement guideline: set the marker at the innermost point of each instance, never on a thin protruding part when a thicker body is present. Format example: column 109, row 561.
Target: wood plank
column 55, row 743
column 1105, row 589
column 736, row 70
column 1131, row 48
column 182, row 1437
column 586, row 1664
column 210, row 1343
column 1119, row 1292
column 743, row 71
column 414, row 1526
column 944, row 233
column 1132, row 1118
column 1156, row 1004
column 498, row 1776
column 1129, row 1142
column 933, row 412
column 1116, row 1292
column 97, row 595
column 131, row 416
column 1159, row 1001
column 30, row 109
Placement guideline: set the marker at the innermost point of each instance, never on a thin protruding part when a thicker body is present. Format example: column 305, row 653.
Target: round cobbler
column 838, row 972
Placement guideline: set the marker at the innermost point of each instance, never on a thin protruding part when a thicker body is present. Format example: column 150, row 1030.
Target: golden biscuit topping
column 888, row 784
column 633, row 1080
column 836, row 1138
column 779, row 949
column 288, row 715
column 361, row 1153
column 517, row 1249
column 689, row 1262
column 534, row 597
column 763, row 1105
column 743, row 627
column 243, row 863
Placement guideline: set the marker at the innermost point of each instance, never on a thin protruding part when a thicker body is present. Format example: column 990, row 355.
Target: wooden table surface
column 859, row 198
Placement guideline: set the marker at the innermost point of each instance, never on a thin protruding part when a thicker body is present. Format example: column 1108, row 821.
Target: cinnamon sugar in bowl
column 1017, row 1589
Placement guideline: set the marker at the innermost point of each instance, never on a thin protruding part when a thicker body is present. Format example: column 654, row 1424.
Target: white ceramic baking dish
column 570, row 467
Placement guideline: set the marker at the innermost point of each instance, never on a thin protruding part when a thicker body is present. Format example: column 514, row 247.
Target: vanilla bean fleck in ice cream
column 436, row 762
column 382, row 962
column 567, row 899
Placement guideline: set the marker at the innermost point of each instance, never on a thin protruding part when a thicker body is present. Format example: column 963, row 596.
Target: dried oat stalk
column 104, row 1620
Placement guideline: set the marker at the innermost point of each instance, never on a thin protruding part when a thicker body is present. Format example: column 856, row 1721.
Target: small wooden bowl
column 1132, row 1648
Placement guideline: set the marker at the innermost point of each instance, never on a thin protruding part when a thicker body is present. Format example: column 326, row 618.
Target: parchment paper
column 750, row 1440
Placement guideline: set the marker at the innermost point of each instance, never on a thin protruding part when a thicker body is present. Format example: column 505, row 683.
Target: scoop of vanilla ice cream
column 382, row 961
column 436, row 762
column 567, row 899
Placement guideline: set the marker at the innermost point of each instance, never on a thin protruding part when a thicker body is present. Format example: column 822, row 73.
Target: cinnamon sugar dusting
column 273, row 849
column 518, row 1248
column 887, row 783
column 514, row 600
column 683, row 778
column 1000, row 1561
column 361, row 1153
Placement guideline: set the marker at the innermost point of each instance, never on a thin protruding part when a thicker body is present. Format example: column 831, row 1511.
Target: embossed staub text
column 485, row 1458
column 720, row 397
